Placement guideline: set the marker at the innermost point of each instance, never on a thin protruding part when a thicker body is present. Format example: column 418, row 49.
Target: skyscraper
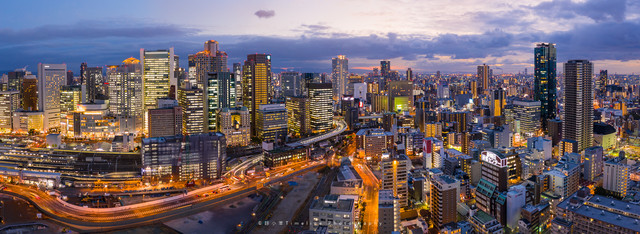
column 578, row 107
column 9, row 103
column 272, row 123
column 29, row 93
column 219, row 92
column 602, row 81
column 191, row 98
column 157, row 67
column 208, row 60
column 234, row 124
column 484, row 74
column 298, row 116
column 93, row 82
column 320, row 107
column 237, row 71
column 14, row 79
column 50, row 78
column 545, row 81
column 256, row 82
column 497, row 102
column 125, row 90
column 291, row 83
column 340, row 74
column 385, row 69
column 409, row 74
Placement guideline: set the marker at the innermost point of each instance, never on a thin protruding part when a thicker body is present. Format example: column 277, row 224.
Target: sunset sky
column 303, row 35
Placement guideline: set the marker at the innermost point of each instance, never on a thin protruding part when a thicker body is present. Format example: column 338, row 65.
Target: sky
column 303, row 35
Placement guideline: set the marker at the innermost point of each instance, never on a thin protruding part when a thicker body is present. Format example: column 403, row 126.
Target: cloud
column 597, row 10
column 265, row 13
column 91, row 30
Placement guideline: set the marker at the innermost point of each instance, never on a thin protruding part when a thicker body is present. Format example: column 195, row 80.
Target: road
column 101, row 219
column 371, row 186
column 341, row 127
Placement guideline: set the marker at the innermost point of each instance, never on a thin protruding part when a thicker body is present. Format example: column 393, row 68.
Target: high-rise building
column 70, row 77
column 545, row 81
column 602, row 82
column 125, row 90
column 320, row 107
column 50, row 78
column 564, row 178
column 237, row 70
column 388, row 212
column 484, row 76
column 409, row 74
column 526, row 113
column 400, row 95
column 445, row 192
column 208, row 60
column 219, row 92
column 555, row 129
column 291, row 83
column 70, row 97
column 616, row 175
column 191, row 98
column 94, row 83
column 83, row 69
column 184, row 158
column 298, row 119
column 578, row 103
column 593, row 163
column 497, row 102
column 340, row 74
column 167, row 121
column 256, row 83
column 493, row 184
column 372, row 143
column 29, row 93
column 395, row 177
column 234, row 124
column 157, row 77
column 9, row 103
column 385, row 69
column 272, row 123
column 15, row 78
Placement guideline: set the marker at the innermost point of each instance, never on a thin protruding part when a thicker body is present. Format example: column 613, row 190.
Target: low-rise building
column 338, row 215
column 284, row 155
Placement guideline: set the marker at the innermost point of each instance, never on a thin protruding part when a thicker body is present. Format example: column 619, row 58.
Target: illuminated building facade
column 578, row 103
column 285, row 155
column 498, row 102
column 272, row 123
column 291, row 83
column 400, row 95
column 372, row 143
column 484, row 74
column 395, row 177
column 235, row 125
column 526, row 114
column 219, row 92
column 29, row 93
column 50, row 78
column 94, row 83
column 9, row 103
column 125, row 90
column 339, row 75
column 184, row 158
column 209, row 60
column 26, row 121
column 256, row 83
column 157, row 77
column 545, row 81
column 91, row 120
column 445, row 193
column 320, row 107
column 190, row 98
column 70, row 97
column 166, row 121
column 298, row 119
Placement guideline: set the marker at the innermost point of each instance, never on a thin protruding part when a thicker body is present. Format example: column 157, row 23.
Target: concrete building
column 320, row 107
column 9, row 103
column 586, row 213
column 291, row 83
column 298, row 119
column 219, row 92
column 191, row 100
column 483, row 223
column 256, row 86
column 29, row 93
column 183, row 158
column 91, row 120
column 337, row 213
column 125, row 90
column 578, row 103
column 444, row 197
column 604, row 135
column 593, row 163
column 284, row 155
column 339, row 75
column 372, row 143
column 50, row 78
column 166, row 121
column 272, row 123
column 157, row 77
column 616, row 175
column 395, row 177
column 234, row 124
column 388, row 212
column 564, row 178
column 28, row 121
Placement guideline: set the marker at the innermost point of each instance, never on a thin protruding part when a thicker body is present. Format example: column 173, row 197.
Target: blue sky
column 303, row 35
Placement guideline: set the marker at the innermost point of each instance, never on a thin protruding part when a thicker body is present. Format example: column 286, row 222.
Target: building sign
column 493, row 158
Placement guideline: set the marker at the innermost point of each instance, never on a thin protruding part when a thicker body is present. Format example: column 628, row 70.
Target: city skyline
column 449, row 39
